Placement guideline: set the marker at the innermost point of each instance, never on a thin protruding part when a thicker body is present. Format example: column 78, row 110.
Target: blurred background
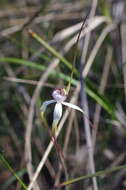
column 24, row 61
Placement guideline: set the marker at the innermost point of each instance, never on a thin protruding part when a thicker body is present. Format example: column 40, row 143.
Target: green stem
column 103, row 172
column 51, row 49
column 7, row 165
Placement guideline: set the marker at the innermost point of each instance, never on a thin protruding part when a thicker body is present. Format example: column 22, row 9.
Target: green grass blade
column 7, row 165
column 100, row 99
column 23, row 62
column 12, row 179
column 99, row 173
column 51, row 49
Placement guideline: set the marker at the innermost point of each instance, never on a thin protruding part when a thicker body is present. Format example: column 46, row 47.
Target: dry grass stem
column 66, row 143
column 84, row 101
column 123, row 40
column 91, row 25
column 103, row 83
column 96, row 47
column 25, row 81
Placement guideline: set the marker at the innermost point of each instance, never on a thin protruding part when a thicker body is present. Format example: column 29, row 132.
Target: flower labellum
column 59, row 94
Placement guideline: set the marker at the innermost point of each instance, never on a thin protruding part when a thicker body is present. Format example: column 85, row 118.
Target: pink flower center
column 59, row 94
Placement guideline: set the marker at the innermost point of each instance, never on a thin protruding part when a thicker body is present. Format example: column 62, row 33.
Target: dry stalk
column 66, row 141
column 123, row 40
column 102, row 86
column 84, row 101
column 97, row 45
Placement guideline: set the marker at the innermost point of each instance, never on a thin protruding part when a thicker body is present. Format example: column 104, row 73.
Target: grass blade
column 51, row 50
column 7, row 165
column 103, row 172
column 23, row 62
column 12, row 179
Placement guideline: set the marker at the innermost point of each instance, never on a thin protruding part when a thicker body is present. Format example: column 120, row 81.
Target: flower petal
column 73, row 106
column 45, row 104
column 57, row 113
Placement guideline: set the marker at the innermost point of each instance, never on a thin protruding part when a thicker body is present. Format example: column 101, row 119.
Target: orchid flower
column 59, row 96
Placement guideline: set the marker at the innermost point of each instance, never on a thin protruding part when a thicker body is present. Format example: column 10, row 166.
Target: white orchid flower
column 59, row 96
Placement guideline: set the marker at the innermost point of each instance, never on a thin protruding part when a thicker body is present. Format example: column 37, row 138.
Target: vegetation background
column 29, row 72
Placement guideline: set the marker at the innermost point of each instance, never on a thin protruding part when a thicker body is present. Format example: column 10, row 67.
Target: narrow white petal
column 73, row 106
column 57, row 114
column 45, row 104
